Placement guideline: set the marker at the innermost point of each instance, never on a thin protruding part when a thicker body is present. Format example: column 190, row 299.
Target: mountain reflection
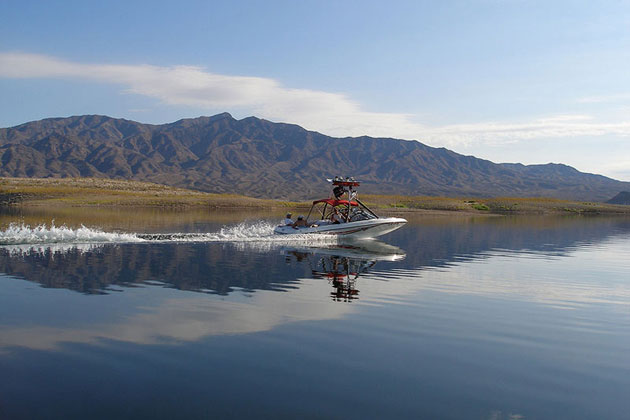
column 250, row 287
column 157, row 315
column 210, row 268
column 222, row 268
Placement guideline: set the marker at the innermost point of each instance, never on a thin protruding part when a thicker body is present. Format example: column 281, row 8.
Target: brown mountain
column 622, row 198
column 259, row 158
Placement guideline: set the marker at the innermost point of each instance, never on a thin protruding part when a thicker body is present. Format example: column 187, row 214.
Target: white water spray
column 260, row 231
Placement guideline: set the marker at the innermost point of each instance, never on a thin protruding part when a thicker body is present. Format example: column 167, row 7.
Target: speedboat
column 347, row 217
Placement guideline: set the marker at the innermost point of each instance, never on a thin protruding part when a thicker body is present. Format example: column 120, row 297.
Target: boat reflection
column 341, row 265
column 342, row 273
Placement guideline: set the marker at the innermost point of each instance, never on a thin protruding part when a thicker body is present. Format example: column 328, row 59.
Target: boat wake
column 22, row 238
column 21, row 234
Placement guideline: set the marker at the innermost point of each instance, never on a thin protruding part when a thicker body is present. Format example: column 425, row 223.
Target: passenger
column 288, row 221
column 300, row 222
column 336, row 217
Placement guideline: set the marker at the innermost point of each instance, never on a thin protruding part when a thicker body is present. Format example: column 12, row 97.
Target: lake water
column 208, row 316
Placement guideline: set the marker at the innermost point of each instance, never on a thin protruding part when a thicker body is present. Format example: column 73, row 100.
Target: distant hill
column 263, row 159
column 621, row 198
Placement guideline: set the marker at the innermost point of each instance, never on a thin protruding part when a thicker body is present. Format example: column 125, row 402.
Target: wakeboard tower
column 343, row 214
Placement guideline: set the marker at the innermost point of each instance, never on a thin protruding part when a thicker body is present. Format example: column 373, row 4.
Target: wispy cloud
column 327, row 112
column 611, row 98
column 619, row 167
column 567, row 126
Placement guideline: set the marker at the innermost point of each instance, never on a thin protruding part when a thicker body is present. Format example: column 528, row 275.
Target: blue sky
column 509, row 81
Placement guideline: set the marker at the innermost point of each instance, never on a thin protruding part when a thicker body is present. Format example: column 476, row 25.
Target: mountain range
column 260, row 158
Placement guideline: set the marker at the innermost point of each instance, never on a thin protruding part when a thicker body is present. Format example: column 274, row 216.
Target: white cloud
column 331, row 113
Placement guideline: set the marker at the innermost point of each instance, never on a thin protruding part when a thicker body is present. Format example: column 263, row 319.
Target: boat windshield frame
column 343, row 187
column 344, row 206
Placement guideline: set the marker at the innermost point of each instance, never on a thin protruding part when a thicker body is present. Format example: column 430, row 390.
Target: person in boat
column 335, row 217
column 300, row 222
column 287, row 220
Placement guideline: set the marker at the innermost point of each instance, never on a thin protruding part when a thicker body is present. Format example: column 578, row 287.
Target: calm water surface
column 449, row 317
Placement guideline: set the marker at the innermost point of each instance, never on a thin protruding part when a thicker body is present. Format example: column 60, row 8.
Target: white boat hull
column 371, row 228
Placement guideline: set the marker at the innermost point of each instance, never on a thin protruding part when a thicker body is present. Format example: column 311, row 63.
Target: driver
column 300, row 222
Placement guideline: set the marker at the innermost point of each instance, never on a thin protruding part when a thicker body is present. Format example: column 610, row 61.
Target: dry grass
column 107, row 192
column 90, row 192
column 413, row 202
column 499, row 205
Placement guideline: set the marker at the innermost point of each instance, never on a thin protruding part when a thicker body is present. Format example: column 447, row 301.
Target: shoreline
column 108, row 193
